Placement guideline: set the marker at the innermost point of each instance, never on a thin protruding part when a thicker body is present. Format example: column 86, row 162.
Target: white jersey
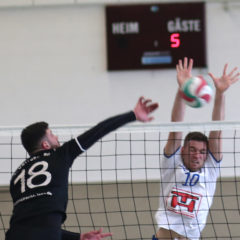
column 185, row 197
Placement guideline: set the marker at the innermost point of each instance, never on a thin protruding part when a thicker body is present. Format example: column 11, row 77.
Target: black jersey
column 40, row 184
column 46, row 226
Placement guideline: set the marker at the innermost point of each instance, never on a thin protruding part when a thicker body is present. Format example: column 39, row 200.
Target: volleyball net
column 116, row 183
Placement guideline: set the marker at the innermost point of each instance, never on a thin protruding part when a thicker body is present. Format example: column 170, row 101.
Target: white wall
column 53, row 67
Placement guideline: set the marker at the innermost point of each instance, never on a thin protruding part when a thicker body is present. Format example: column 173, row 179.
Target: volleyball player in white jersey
column 189, row 172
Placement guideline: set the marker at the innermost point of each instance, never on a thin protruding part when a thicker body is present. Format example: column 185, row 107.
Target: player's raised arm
column 141, row 112
column 221, row 84
column 178, row 111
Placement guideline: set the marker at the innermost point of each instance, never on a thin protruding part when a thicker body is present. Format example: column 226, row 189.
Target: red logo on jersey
column 184, row 202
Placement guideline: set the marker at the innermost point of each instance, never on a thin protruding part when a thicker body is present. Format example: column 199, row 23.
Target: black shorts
column 38, row 228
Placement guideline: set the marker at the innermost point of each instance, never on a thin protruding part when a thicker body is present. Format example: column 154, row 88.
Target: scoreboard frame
column 155, row 36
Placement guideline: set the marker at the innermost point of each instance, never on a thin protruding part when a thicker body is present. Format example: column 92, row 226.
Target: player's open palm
column 95, row 235
column 226, row 80
column 143, row 108
column 184, row 70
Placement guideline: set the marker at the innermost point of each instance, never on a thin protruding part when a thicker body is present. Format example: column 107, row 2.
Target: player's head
column 37, row 137
column 195, row 150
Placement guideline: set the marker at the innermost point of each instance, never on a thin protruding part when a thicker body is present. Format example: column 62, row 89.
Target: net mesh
column 116, row 183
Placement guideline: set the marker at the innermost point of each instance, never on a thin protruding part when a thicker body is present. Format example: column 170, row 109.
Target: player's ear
column 182, row 150
column 45, row 145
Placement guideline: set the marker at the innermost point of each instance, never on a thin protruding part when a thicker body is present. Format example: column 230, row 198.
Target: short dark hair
column 197, row 136
column 32, row 135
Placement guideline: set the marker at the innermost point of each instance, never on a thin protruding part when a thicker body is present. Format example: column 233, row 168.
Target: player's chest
column 185, row 178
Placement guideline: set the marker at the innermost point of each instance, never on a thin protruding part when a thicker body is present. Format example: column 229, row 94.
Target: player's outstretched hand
column 184, row 70
column 226, row 80
column 144, row 108
column 94, row 235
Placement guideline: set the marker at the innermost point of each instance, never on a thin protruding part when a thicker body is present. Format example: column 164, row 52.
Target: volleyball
column 196, row 92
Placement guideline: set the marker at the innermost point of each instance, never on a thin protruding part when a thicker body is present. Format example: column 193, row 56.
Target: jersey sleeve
column 171, row 161
column 66, row 235
column 213, row 165
column 84, row 141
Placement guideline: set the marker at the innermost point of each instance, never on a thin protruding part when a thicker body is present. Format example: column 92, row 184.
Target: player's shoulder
column 175, row 153
column 211, row 161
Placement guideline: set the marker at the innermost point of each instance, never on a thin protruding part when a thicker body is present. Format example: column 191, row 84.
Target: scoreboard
column 153, row 36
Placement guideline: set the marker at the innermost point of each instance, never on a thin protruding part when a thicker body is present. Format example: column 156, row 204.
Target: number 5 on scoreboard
column 175, row 40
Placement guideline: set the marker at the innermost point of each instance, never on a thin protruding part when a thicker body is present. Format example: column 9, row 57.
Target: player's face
column 52, row 139
column 194, row 155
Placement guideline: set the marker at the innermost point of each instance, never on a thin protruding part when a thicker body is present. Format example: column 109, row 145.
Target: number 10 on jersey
column 191, row 180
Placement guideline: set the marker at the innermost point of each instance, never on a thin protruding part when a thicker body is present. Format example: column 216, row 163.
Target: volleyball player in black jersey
column 39, row 186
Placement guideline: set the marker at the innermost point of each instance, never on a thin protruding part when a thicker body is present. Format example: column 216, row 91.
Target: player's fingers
column 190, row 65
column 231, row 73
column 147, row 101
column 149, row 119
column 106, row 235
column 236, row 77
column 225, row 69
column 97, row 231
column 153, row 107
column 177, row 68
column 180, row 66
column 185, row 63
column 140, row 99
column 212, row 76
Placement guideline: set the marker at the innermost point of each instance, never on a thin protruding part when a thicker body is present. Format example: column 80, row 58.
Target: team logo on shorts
column 184, row 202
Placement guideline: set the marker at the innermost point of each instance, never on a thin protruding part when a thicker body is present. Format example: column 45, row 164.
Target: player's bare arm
column 184, row 69
column 221, row 84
